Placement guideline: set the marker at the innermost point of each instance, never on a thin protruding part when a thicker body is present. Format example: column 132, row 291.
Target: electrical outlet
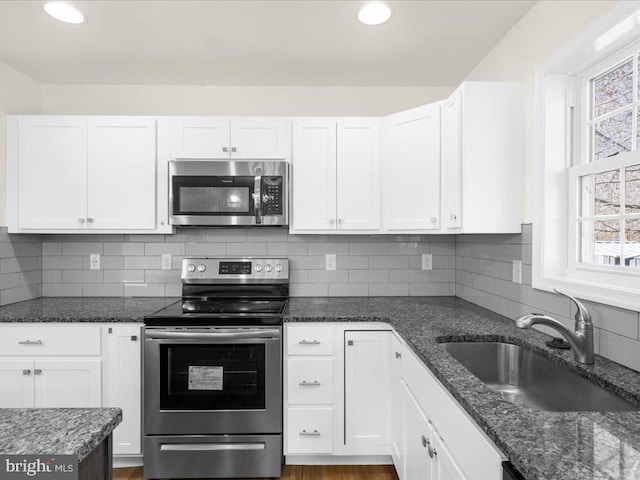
column 331, row 261
column 516, row 271
column 427, row 261
column 166, row 261
column 94, row 261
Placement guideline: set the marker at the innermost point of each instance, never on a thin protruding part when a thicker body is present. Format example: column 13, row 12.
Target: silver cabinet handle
column 453, row 217
column 398, row 355
column 26, row 372
column 304, row 383
column 432, row 451
column 340, row 221
column 81, row 220
column 30, row 342
column 304, row 433
column 178, row 447
column 89, row 220
column 134, row 338
column 309, row 342
column 225, row 149
column 425, row 442
column 257, row 205
column 234, row 149
column 37, row 371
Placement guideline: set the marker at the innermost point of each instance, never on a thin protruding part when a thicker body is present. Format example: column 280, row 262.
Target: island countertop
column 55, row 431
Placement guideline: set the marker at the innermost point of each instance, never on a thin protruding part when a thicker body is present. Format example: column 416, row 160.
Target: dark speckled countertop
column 55, row 431
column 542, row 445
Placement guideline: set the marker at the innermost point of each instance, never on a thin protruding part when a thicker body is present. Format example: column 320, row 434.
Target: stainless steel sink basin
column 525, row 378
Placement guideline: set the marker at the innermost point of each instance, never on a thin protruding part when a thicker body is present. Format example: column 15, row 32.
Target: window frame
column 560, row 108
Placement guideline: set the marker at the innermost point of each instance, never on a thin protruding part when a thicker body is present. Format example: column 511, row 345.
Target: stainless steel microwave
column 229, row 193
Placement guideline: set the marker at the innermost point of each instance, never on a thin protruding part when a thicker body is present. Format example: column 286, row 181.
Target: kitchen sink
column 526, row 378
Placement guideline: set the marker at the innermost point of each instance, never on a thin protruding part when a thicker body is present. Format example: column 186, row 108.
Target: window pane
column 613, row 89
column 632, row 189
column 612, row 135
column 606, row 247
column 607, row 193
column 632, row 243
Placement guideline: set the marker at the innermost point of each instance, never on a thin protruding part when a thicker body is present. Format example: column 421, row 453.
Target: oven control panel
column 232, row 270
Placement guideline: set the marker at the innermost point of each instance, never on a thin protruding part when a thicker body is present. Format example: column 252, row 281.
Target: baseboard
column 121, row 461
column 338, row 460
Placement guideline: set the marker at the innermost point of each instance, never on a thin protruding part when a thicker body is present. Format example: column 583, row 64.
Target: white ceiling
column 252, row 42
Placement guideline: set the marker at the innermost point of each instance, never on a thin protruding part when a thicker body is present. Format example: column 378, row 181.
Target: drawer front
column 40, row 340
column 309, row 430
column 310, row 381
column 309, row 340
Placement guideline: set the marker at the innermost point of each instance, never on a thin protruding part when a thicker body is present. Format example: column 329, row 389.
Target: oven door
column 211, row 380
column 228, row 193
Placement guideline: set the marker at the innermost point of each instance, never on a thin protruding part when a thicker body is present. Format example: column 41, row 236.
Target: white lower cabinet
column 397, row 407
column 310, row 430
column 75, row 366
column 417, row 437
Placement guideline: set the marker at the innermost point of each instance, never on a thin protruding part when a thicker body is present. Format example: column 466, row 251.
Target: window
column 587, row 165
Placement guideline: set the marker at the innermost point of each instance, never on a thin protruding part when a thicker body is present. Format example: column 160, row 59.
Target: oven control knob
column 201, row 268
column 268, row 267
column 258, row 268
column 191, row 267
column 278, row 268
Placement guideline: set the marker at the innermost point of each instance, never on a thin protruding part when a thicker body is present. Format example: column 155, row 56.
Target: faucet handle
column 582, row 314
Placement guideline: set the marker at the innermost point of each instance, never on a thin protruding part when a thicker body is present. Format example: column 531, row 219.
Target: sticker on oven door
column 205, row 378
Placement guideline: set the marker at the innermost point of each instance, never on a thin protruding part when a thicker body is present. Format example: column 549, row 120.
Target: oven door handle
column 211, row 446
column 228, row 335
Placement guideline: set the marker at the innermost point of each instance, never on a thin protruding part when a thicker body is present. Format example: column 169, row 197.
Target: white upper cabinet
column 224, row 138
column 50, row 176
column 451, row 162
column 122, row 173
column 411, row 170
column 336, row 175
column 491, row 138
column 81, row 174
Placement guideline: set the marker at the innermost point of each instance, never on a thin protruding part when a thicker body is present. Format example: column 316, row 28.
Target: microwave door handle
column 257, row 198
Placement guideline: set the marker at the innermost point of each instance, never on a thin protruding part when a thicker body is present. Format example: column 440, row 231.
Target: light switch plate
column 516, row 271
column 427, row 261
column 94, row 261
column 331, row 261
column 166, row 261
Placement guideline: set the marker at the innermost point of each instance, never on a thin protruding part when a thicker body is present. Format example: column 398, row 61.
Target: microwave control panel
column 272, row 196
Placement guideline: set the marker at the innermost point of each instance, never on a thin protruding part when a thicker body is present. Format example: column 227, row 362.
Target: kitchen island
column 82, row 432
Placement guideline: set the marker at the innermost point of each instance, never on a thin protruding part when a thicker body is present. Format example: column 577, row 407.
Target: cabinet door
column 447, row 467
column 16, row 378
column 411, row 170
column 262, row 138
column 314, row 175
column 122, row 173
column 122, row 385
column 358, row 174
column 200, row 137
column 452, row 161
column 52, row 172
column 418, row 464
column 67, row 383
column 397, row 408
column 367, row 389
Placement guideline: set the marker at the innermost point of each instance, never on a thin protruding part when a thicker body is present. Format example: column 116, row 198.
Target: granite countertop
column 55, row 431
column 542, row 445
column 83, row 309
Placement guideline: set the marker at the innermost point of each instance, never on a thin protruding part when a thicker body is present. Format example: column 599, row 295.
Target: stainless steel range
column 213, row 372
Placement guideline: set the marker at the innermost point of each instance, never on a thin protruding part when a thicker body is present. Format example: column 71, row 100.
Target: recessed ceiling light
column 374, row 13
column 64, row 12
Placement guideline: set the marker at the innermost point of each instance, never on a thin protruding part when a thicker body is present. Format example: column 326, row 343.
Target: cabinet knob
column 398, row 355
column 453, row 217
column 340, row 221
column 234, row 149
column 89, row 220
column 81, row 220
column 37, row 371
column 432, row 452
column 434, row 219
column 225, row 149
column 350, row 342
column 26, row 372
column 425, row 442
column 332, row 221
column 134, row 338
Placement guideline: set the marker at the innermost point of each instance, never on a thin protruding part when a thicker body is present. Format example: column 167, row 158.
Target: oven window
column 212, row 377
column 214, row 199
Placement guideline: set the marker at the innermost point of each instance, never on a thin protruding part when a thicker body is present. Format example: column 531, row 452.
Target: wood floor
column 302, row 472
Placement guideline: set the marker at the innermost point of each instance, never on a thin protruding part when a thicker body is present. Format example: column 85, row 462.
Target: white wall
column 228, row 100
column 18, row 94
column 545, row 29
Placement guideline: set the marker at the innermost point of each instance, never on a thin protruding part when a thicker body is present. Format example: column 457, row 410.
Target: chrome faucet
column 581, row 341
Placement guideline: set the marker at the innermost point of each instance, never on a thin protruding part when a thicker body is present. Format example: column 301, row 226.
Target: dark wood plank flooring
column 302, row 472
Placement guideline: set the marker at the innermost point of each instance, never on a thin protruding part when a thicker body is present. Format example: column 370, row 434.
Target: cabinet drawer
column 310, row 380
column 310, row 340
column 309, row 430
column 39, row 340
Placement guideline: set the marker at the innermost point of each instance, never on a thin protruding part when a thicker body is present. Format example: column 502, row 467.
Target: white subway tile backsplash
column 82, row 276
column 368, row 276
column 285, row 249
column 388, row 289
column 205, row 249
column 143, row 263
column 144, row 290
column 61, row 290
column 396, row 262
column 246, row 249
column 102, row 290
column 18, row 294
column 323, row 276
column 162, row 276
column 309, row 290
column 324, row 248
column 381, row 248
column 119, row 248
column 82, row 248
column 163, row 248
column 61, row 263
column 124, row 276
column 348, row 289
